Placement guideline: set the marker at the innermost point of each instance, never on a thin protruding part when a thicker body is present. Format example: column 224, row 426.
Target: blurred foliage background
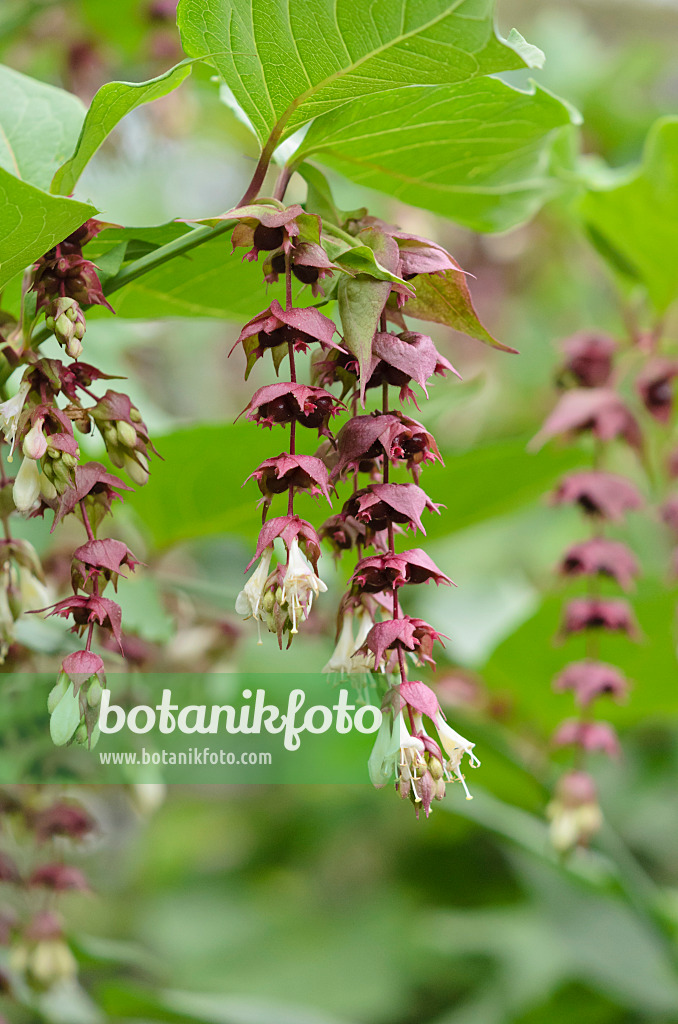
column 332, row 905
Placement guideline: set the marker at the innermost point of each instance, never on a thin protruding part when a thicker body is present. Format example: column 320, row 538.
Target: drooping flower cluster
column 592, row 406
column 373, row 270
column 35, row 883
column 53, row 401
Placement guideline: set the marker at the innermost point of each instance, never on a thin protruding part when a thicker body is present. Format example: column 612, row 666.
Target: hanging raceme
column 373, row 270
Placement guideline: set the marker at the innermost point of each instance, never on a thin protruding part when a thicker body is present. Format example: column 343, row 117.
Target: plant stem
column 282, row 183
column 293, row 371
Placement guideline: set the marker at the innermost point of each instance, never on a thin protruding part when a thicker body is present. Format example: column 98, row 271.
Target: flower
column 654, row 385
column 379, row 504
column 395, row 435
column 590, row 736
column 591, row 679
column 300, row 584
column 291, row 472
column 613, row 615
column 403, row 633
column 35, row 442
column 574, row 813
column 455, row 746
column 26, row 489
column 276, row 328
column 249, row 601
column 285, row 402
column 347, row 657
column 264, row 227
column 601, row 556
column 599, row 410
column 598, row 494
column 384, row 572
column 10, row 411
column 588, row 359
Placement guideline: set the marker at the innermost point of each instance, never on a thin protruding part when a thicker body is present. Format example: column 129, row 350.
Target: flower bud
column 126, row 433
column 35, row 442
column 57, row 691
column 74, row 348
column 47, row 488
column 137, row 468
column 26, row 489
column 50, row 962
column 94, row 694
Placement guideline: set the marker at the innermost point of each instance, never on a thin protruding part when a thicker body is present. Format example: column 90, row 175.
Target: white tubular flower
column 300, row 585
column 249, row 601
column 35, row 442
column 344, row 658
column 455, row 746
column 10, row 411
column 411, row 762
column 382, row 759
column 362, row 662
column 34, row 593
column 340, row 661
column 26, row 490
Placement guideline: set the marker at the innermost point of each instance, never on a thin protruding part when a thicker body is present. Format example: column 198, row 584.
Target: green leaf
column 633, row 224
column 32, row 223
column 477, row 153
column 446, row 299
column 39, row 125
column 361, row 259
column 361, row 301
column 112, row 102
column 287, row 62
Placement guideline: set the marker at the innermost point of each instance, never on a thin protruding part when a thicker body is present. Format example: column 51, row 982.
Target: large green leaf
column 112, row 102
column 633, row 224
column 39, row 126
column 32, row 222
column 288, row 61
column 477, row 152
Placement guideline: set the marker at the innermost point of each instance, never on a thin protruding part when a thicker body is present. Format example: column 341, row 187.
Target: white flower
column 249, row 601
column 395, row 747
column 340, row 661
column 382, row 759
column 26, row 490
column 34, row 593
column 455, row 746
column 411, row 762
column 572, row 825
column 300, row 585
column 10, row 411
column 345, row 658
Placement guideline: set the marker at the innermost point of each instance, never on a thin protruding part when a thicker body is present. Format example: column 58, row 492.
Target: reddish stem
column 391, row 539
column 95, row 581
column 282, row 183
column 293, row 371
